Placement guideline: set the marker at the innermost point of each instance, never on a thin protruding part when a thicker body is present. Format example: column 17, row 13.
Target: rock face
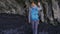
column 56, row 9
column 51, row 10
column 11, row 6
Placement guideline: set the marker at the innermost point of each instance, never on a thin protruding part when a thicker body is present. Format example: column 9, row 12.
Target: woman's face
column 33, row 4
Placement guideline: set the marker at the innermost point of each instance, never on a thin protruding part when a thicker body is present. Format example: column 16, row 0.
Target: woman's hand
column 39, row 4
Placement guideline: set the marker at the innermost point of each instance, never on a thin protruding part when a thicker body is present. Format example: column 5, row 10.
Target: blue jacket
column 33, row 13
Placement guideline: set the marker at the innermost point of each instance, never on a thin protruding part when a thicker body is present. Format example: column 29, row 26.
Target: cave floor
column 15, row 24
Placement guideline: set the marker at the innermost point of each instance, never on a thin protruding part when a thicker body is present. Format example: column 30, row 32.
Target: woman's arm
column 29, row 16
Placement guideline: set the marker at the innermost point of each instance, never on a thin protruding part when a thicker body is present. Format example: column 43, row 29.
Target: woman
column 34, row 17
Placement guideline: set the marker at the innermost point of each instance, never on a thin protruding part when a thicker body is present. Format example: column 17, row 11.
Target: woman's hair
column 34, row 2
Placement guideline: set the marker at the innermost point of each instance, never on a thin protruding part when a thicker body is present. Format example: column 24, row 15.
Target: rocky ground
column 15, row 24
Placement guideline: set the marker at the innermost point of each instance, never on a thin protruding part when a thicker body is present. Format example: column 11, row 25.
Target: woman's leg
column 33, row 29
column 34, row 26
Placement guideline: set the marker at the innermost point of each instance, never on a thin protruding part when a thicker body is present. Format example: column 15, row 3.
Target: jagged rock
column 11, row 6
column 56, row 10
column 51, row 10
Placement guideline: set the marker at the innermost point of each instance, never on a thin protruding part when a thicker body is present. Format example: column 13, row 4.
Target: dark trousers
column 35, row 26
